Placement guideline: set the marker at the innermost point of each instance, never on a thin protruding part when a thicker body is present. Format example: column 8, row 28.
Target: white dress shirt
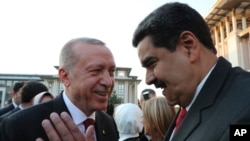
column 77, row 115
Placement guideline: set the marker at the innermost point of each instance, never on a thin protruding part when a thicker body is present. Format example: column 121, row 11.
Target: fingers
column 39, row 139
column 90, row 133
column 74, row 130
column 50, row 131
column 61, row 128
column 65, row 129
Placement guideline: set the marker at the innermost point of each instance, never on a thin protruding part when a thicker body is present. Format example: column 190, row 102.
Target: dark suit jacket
column 9, row 113
column 26, row 124
column 7, row 109
column 223, row 100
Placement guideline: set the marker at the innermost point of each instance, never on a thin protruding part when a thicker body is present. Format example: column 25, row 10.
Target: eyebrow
column 147, row 61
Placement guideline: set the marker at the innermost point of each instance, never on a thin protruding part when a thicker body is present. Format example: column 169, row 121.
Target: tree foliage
column 114, row 98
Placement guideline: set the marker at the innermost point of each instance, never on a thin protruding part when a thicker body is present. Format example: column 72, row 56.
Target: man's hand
column 65, row 129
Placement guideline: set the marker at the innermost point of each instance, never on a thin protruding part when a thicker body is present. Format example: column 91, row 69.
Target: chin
column 101, row 107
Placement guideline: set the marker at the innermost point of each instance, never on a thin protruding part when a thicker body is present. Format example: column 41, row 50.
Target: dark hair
column 31, row 89
column 148, row 91
column 145, row 94
column 110, row 109
column 165, row 24
column 17, row 86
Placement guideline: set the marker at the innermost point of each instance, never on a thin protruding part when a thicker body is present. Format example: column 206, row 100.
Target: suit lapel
column 59, row 105
column 204, row 100
column 100, row 126
column 7, row 109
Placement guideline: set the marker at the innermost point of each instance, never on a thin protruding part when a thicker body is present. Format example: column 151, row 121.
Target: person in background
column 16, row 98
column 110, row 109
column 29, row 90
column 146, row 94
column 86, row 69
column 42, row 97
column 175, row 46
column 128, row 118
column 157, row 117
column 7, row 102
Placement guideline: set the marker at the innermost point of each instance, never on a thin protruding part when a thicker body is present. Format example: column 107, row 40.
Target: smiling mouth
column 101, row 93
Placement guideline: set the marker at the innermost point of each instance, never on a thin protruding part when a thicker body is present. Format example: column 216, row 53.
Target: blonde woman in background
column 157, row 117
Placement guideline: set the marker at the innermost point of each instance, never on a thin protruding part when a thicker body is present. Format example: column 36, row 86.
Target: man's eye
column 96, row 71
column 150, row 65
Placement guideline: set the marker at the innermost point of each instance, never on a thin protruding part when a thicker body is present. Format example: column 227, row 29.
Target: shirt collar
column 15, row 105
column 77, row 115
column 198, row 89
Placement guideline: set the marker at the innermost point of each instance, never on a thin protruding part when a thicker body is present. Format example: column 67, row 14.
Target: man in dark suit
column 176, row 49
column 16, row 98
column 29, row 91
column 87, row 71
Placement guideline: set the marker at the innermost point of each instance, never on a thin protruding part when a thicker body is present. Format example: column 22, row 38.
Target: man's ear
column 189, row 42
column 64, row 76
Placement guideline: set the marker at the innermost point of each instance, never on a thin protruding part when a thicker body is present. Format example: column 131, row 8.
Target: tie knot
column 88, row 122
column 180, row 117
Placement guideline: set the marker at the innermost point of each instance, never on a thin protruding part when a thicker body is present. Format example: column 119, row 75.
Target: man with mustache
column 175, row 47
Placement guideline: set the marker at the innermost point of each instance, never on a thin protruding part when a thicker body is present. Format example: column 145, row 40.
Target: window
column 2, row 82
column 121, row 73
column 121, row 89
column 9, row 83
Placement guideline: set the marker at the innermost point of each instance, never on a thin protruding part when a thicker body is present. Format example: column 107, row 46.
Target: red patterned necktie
column 180, row 118
column 88, row 122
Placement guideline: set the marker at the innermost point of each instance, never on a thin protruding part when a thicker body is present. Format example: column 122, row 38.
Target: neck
column 206, row 62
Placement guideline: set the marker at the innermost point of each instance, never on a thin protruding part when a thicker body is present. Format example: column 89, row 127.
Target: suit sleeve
column 3, row 131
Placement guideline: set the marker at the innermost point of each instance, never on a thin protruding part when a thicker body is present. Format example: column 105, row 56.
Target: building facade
column 229, row 22
column 125, row 85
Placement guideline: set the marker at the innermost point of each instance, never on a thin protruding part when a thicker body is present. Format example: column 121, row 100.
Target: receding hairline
column 67, row 51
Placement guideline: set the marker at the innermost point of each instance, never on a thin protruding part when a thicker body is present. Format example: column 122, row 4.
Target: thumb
column 90, row 133
column 39, row 139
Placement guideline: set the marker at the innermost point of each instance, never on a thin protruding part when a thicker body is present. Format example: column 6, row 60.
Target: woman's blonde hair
column 158, row 116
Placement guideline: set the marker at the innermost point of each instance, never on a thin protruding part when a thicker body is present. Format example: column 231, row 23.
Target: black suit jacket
column 26, row 124
column 9, row 113
column 7, row 109
column 223, row 100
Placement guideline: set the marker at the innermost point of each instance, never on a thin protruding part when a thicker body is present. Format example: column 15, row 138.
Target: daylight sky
column 32, row 32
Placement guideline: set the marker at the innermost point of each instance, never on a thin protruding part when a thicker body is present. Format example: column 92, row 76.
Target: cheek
column 113, row 84
column 161, row 73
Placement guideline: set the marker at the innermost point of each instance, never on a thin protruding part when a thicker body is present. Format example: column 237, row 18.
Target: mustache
column 159, row 84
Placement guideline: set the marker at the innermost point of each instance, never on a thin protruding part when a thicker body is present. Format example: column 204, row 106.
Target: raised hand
column 65, row 129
